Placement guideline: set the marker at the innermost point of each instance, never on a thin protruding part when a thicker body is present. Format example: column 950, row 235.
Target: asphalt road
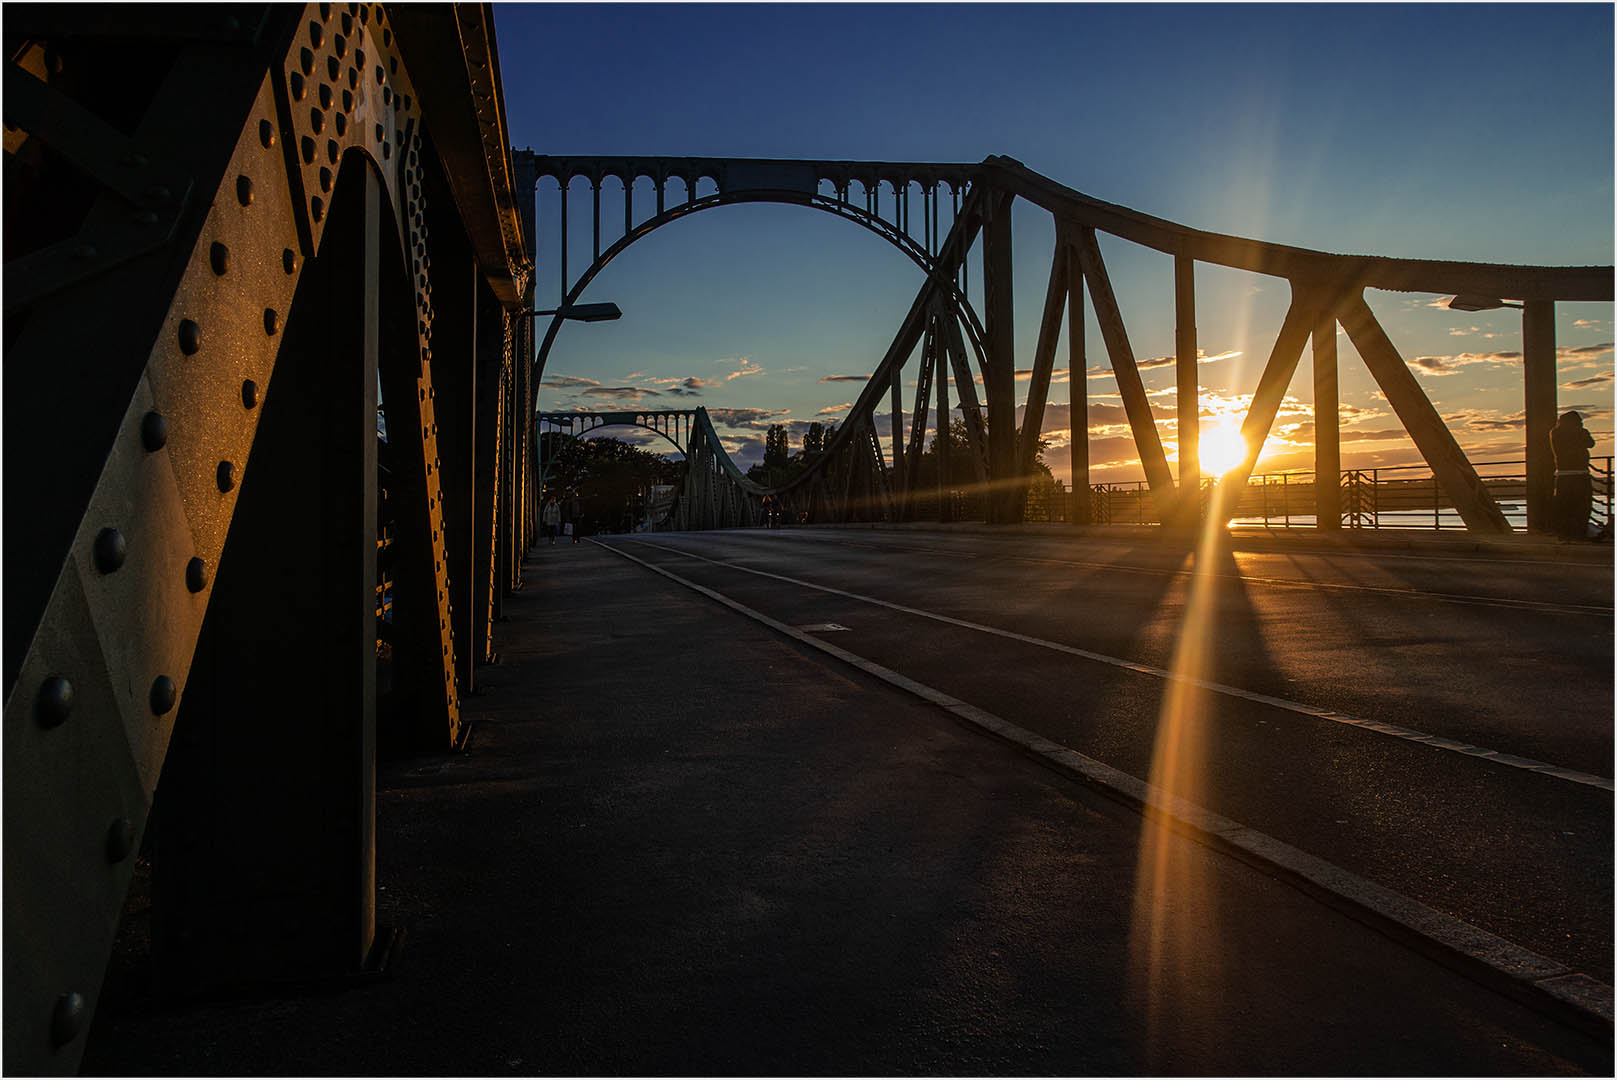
column 1511, row 654
column 682, row 843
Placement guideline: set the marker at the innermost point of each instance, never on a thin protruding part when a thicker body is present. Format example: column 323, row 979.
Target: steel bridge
column 234, row 236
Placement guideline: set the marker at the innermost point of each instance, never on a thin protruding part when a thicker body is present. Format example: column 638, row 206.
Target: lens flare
column 1222, row 449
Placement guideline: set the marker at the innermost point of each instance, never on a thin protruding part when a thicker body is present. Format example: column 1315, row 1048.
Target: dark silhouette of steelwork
column 224, row 229
column 1327, row 290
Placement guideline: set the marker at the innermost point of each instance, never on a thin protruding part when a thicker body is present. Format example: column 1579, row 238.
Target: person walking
column 550, row 517
column 1574, row 493
column 572, row 516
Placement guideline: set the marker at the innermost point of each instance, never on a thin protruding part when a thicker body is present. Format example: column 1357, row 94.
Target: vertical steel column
column 1187, row 383
column 999, row 380
column 945, row 502
column 1327, row 424
column 455, row 396
column 1077, row 391
column 1538, row 377
column 897, row 419
column 264, row 842
column 565, row 180
column 488, row 354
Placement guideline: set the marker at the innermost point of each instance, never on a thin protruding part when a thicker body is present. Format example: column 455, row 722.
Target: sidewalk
column 679, row 844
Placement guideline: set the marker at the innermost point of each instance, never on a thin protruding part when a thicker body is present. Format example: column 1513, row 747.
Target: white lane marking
column 1379, row 727
column 1507, row 960
column 1547, row 607
column 822, row 628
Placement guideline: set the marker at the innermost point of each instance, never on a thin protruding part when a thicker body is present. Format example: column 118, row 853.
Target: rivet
column 325, row 96
column 120, row 839
column 163, row 695
column 190, row 335
column 196, row 575
column 348, row 96
column 342, row 123
column 359, row 57
column 295, row 84
column 110, row 550
column 289, row 260
column 316, row 34
column 317, row 208
column 406, row 102
column 380, row 75
column 67, row 1018
column 333, row 69
column 340, row 45
column 272, row 322
column 307, row 145
column 249, row 394
column 55, row 701
column 347, row 24
column 387, row 151
column 306, row 61
column 387, row 36
column 325, row 13
column 226, row 476
column 392, row 61
column 244, row 190
column 219, row 258
column 266, row 133
column 317, row 120
column 332, row 150
column 153, row 431
column 353, row 74
column 364, row 14
column 380, row 134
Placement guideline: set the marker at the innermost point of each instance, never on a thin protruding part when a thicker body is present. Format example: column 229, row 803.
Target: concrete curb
column 1569, row 996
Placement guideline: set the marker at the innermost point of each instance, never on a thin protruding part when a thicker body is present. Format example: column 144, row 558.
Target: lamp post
column 606, row 312
column 582, row 312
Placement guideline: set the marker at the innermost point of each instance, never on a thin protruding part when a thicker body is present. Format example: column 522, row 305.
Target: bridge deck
column 681, row 843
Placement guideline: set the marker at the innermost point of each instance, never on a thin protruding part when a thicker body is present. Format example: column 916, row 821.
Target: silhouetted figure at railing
column 1573, row 493
column 551, row 519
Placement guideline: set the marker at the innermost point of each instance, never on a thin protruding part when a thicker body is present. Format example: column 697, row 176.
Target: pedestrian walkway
column 681, row 844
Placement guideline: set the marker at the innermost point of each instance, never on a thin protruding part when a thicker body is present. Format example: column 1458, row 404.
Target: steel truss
column 1327, row 290
column 229, row 234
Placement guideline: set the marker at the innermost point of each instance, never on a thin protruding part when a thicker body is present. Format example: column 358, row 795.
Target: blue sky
column 1477, row 132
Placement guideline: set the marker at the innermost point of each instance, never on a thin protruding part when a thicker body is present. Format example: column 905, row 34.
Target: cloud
column 567, row 382
column 1593, row 380
column 746, row 419
column 845, row 378
column 746, row 366
column 627, row 393
column 1448, row 365
column 835, row 410
column 1169, row 361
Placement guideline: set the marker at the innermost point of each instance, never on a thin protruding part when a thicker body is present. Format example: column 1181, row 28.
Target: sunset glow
column 1222, row 449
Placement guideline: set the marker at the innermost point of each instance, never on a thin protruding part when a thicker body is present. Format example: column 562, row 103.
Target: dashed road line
column 1515, row 761
column 1571, row 995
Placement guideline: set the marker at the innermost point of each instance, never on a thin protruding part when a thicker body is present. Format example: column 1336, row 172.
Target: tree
column 813, row 442
column 606, row 474
column 776, row 452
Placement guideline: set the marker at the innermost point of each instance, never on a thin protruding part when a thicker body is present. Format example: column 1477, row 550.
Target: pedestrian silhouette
column 1574, row 494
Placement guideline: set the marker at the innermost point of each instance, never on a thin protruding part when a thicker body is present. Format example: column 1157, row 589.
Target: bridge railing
column 1389, row 497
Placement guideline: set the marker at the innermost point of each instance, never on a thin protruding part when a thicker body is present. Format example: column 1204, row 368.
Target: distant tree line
column 605, row 475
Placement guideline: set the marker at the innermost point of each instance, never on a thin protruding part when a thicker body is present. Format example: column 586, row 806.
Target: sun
column 1222, row 449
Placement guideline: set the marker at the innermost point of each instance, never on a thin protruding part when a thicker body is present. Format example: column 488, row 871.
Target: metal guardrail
column 1394, row 497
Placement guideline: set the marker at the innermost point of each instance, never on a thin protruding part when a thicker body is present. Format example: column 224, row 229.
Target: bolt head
column 163, row 694
column 266, row 132
column 110, row 550
column 244, row 190
column 196, row 575
column 219, row 259
column 226, row 475
column 272, row 323
column 55, row 701
column 120, row 840
column 249, row 393
column 190, row 337
column 67, row 1018
column 153, row 431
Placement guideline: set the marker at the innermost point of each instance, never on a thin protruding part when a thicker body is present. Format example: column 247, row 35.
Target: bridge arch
column 837, row 207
